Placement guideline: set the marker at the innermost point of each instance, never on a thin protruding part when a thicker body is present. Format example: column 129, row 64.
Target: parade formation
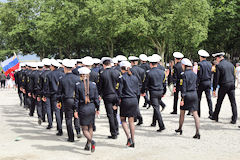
column 74, row 88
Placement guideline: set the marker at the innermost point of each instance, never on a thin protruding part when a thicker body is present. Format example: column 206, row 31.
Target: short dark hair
column 107, row 62
column 153, row 63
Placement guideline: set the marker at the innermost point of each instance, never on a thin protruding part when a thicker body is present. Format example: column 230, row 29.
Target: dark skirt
column 128, row 107
column 86, row 114
column 190, row 101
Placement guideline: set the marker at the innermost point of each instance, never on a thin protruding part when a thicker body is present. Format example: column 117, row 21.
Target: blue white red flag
column 10, row 65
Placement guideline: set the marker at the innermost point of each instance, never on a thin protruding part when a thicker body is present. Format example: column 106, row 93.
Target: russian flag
column 10, row 65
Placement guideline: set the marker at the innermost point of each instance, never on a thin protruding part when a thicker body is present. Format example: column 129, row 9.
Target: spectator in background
column 238, row 73
column 3, row 80
column 195, row 67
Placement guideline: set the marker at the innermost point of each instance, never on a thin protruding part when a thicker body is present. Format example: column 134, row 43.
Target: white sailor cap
column 96, row 60
column 55, row 63
column 153, row 59
column 115, row 60
column 22, row 64
column 78, row 60
column 133, row 58
column 59, row 61
column 68, row 63
column 218, row 54
column 46, row 61
column 84, row 70
column 33, row 64
column 143, row 57
column 186, row 62
column 125, row 64
column 178, row 55
column 40, row 64
column 121, row 58
column 106, row 59
column 203, row 53
column 157, row 57
column 88, row 61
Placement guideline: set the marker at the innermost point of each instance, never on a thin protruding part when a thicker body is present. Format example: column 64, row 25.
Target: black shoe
column 94, row 128
column 197, row 136
column 139, row 123
column 145, row 105
column 79, row 135
column 49, row 127
column 238, row 126
column 173, row 112
column 148, row 106
column 179, row 131
column 153, row 125
column 112, row 137
column 130, row 143
column 39, row 121
column 189, row 113
column 163, row 108
column 70, row 140
column 93, row 145
column 30, row 114
column 161, row 129
column 87, row 147
column 60, row 133
column 214, row 119
column 233, row 122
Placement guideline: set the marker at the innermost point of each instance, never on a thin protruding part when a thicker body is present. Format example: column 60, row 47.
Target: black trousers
column 58, row 112
column 205, row 86
column 68, row 109
column 68, row 105
column 175, row 102
column 20, row 94
column 154, row 119
column 32, row 106
column 228, row 89
column 139, row 116
column 155, row 97
column 3, row 83
column 49, row 111
column 147, row 101
column 109, row 102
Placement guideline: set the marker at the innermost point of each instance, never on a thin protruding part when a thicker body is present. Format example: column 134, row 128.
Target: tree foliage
column 75, row 28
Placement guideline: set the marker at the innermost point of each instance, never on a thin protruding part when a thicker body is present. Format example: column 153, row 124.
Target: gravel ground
column 21, row 138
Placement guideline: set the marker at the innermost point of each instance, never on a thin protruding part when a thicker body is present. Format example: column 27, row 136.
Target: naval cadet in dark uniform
column 155, row 82
column 53, row 81
column 86, row 100
column 128, row 93
column 30, row 88
column 144, row 65
column 18, row 79
column 45, row 92
column 140, row 74
column 66, row 95
column 204, row 75
column 189, row 96
column 177, row 70
column 108, row 80
column 78, row 65
column 37, row 92
column 23, row 85
column 225, row 78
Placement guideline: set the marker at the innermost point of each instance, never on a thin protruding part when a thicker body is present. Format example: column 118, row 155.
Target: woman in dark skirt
column 86, row 100
column 128, row 91
column 189, row 96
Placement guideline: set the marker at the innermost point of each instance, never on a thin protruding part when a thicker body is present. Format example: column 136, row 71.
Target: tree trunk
column 110, row 47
